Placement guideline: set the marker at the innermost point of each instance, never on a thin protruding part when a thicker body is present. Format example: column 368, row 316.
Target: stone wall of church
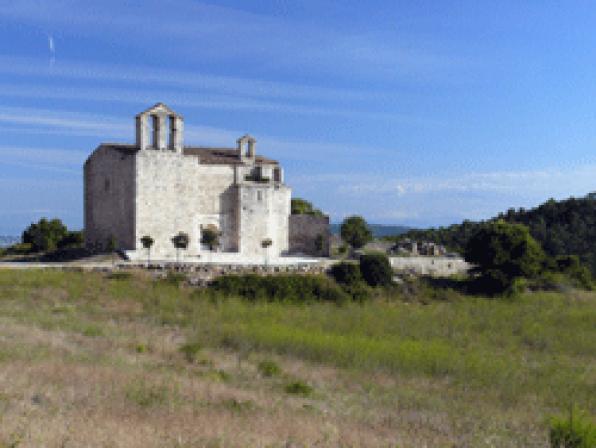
column 264, row 212
column 305, row 231
column 109, row 192
column 176, row 194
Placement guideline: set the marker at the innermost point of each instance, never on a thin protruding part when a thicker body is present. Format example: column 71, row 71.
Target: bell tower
column 160, row 128
column 247, row 148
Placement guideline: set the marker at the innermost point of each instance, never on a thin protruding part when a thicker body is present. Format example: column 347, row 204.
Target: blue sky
column 419, row 113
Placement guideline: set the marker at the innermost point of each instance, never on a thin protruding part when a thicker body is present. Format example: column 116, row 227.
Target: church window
column 172, row 128
column 154, row 131
column 106, row 185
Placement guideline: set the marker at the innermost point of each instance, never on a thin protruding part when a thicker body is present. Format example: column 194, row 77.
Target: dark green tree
column 210, row 237
column 355, row 232
column 180, row 242
column 72, row 239
column 45, row 235
column 147, row 242
column 303, row 207
column 376, row 269
column 503, row 252
column 346, row 273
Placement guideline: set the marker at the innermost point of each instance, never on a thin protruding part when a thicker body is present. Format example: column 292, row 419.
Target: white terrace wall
column 433, row 266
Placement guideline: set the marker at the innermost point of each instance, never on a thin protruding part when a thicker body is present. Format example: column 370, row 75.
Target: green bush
column 45, row 235
column 120, row 275
column 359, row 292
column 376, row 270
column 72, row 239
column 175, row 278
column 571, row 266
column 346, row 273
column 299, row 388
column 289, row 287
column 269, row 368
column 190, row 351
column 355, row 232
column 503, row 252
column 303, row 207
column 20, row 249
column 573, row 431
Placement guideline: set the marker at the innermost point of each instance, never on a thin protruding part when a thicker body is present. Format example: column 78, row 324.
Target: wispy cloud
column 45, row 159
column 189, row 99
column 91, row 124
column 442, row 199
column 113, row 128
column 202, row 30
column 247, row 87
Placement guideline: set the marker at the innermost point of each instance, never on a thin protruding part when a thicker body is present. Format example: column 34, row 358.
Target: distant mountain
column 378, row 230
column 6, row 240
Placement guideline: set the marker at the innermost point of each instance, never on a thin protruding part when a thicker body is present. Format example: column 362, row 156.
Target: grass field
column 86, row 360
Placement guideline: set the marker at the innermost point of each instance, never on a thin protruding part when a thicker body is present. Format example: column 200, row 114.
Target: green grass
column 539, row 347
column 299, row 388
column 269, row 368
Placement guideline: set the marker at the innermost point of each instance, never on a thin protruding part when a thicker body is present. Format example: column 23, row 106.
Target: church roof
column 158, row 107
column 207, row 155
column 222, row 156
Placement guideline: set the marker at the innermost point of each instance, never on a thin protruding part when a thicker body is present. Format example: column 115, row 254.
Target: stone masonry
column 159, row 187
column 310, row 235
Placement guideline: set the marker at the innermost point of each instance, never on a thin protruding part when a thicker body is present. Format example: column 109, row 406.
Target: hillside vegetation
column 561, row 227
column 90, row 359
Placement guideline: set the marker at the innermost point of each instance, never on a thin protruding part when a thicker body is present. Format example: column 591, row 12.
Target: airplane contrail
column 51, row 44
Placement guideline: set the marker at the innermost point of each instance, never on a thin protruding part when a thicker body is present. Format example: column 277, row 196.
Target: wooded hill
column 565, row 227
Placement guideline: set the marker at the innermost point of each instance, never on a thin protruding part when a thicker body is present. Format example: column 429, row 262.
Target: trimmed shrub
column 269, row 368
column 346, row 273
column 275, row 288
column 376, row 270
column 299, row 388
column 190, row 350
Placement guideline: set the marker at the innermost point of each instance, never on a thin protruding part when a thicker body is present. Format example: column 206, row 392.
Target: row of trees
column 49, row 235
column 560, row 227
column 504, row 255
column 209, row 237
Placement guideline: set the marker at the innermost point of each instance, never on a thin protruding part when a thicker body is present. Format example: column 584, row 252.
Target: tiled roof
column 222, row 156
column 207, row 156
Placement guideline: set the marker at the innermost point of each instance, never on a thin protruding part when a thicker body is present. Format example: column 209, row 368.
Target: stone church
column 159, row 187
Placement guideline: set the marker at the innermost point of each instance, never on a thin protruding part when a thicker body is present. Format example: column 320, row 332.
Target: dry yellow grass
column 65, row 389
column 83, row 365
